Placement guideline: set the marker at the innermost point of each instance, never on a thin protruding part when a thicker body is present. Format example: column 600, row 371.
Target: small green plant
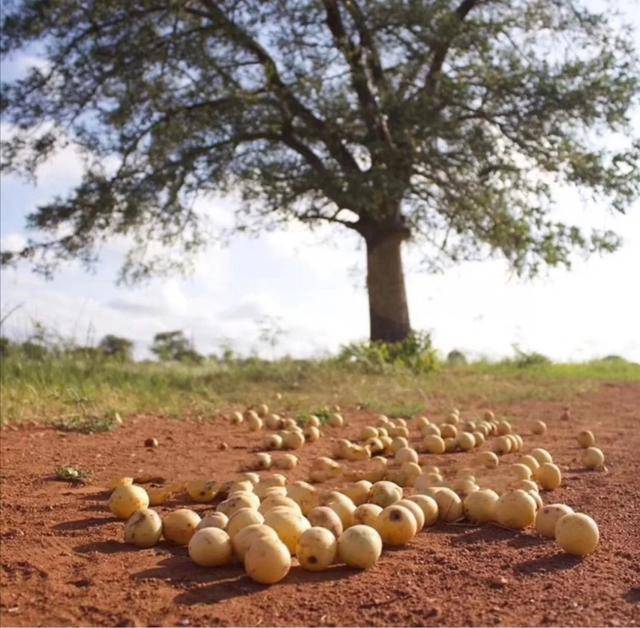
column 73, row 474
column 87, row 424
column 324, row 414
column 524, row 359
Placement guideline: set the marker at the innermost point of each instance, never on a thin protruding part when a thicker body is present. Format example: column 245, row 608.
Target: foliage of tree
column 174, row 345
column 116, row 347
column 449, row 122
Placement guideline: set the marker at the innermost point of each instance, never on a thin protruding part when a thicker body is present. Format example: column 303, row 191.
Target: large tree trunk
column 388, row 309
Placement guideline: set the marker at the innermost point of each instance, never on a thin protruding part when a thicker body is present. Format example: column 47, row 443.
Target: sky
column 308, row 289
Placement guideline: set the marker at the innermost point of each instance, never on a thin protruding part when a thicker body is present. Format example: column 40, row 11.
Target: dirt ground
column 63, row 560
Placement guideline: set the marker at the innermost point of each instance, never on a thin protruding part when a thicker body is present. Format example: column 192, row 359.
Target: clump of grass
column 86, row 424
column 73, row 474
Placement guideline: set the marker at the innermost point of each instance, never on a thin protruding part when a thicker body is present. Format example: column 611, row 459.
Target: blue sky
column 311, row 285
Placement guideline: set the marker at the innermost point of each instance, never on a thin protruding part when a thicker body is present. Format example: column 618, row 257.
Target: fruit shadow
column 81, row 524
column 547, row 564
column 103, row 547
column 483, row 534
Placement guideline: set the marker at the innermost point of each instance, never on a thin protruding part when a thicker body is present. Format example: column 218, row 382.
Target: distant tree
column 456, row 358
column 116, row 347
column 450, row 122
column 174, row 345
column 5, row 346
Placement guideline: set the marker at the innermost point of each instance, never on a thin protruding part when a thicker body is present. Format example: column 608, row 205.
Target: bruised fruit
column 143, row 529
column 397, row 525
column 210, row 547
column 325, row 517
column 203, row 491
column 385, row 493
column 367, row 514
column 316, row 549
column 548, row 516
column 415, row 510
column 214, row 520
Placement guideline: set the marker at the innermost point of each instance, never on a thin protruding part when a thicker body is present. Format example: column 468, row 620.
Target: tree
column 116, row 347
column 174, row 345
column 449, row 122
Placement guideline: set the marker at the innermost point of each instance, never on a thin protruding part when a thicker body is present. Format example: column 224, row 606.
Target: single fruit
column 273, row 422
column 541, row 455
column 237, row 418
column 549, row 476
column 406, row 454
column 539, row 427
column 531, row 462
column 520, row 471
column 203, row 491
column 360, row 546
column 398, row 443
column 305, row 495
column 180, row 525
column 316, row 549
column 243, row 518
column 325, row 517
column 430, row 430
column 433, row 444
column 577, row 534
column 336, row 420
column 343, row 507
column 448, row 431
column 502, row 445
column 285, row 461
column 151, row 442
column 358, row 492
column 368, row 432
column 504, row 427
column 480, row 506
column 288, row 524
column 143, row 529
column 253, row 421
column 397, row 525
column 242, row 541
column 429, row 508
column 449, row 504
column 267, row 560
column 466, row 441
column 410, row 472
column 415, row 510
column 312, row 433
column 279, row 501
column 158, row 494
column 385, row 493
column 210, row 547
column 367, row 514
column 586, row 439
column 593, row 458
column 516, row 510
column 292, row 439
column 488, row 459
column 273, row 441
column 548, row 516
column 214, row 520
column 125, row 500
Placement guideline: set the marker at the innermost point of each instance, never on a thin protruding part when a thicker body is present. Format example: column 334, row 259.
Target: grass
column 85, row 395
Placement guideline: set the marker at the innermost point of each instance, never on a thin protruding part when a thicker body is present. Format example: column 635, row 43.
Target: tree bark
column 388, row 308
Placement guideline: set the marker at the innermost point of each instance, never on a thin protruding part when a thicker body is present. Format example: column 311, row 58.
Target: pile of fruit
column 386, row 498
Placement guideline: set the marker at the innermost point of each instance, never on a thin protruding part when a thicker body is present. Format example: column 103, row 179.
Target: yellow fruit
column 336, row 420
column 292, row 439
column 158, row 494
column 118, row 482
column 243, row 518
column 420, row 422
column 358, row 492
column 290, row 424
column 252, row 476
column 313, row 421
column 586, row 439
column 203, row 491
column 385, row 493
column 464, row 486
column 453, row 419
column 541, row 455
column 312, row 433
column 504, row 427
column 502, row 445
column 273, row 441
column 410, row 472
column 285, row 461
column 480, row 506
column 398, row 431
column 316, row 549
column 343, row 507
column 125, row 500
column 429, row 508
column 539, row 427
column 593, row 458
column 243, row 539
column 520, row 471
column 143, row 529
column 577, row 534
column 433, row 444
column 305, row 495
column 525, row 485
column 398, row 443
column 267, row 560
column 466, row 441
column 279, row 501
column 516, row 510
column 397, row 525
column 548, row 516
column 368, row 432
column 430, row 430
column 273, row 422
column 415, row 510
column 210, row 547
column 360, row 546
column 406, row 454
column 325, row 517
column 214, row 520
column 262, row 460
column 549, row 476
column 479, row 436
column 427, row 480
column 448, row 431
column 288, row 524
column 536, row 498
column 488, row 459
column 180, row 525
column 530, row 462
column 237, row 418
column 237, row 501
column 367, row 514
column 253, row 421
column 449, row 504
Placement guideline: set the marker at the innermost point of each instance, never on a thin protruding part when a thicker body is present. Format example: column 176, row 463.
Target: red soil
column 63, row 560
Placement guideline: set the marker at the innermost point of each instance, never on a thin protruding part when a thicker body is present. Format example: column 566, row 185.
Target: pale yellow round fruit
column 241, row 519
column 316, row 549
column 288, row 524
column 415, row 510
column 406, row 454
column 480, row 437
column 313, row 421
column 279, row 501
column 397, row 525
column 360, row 546
column 449, row 504
column 448, row 431
column 586, row 439
column 358, row 492
column 237, row 418
column 325, row 517
column 262, row 410
column 433, row 444
column 273, row 441
column 410, row 472
column 244, row 486
column 237, row 501
column 427, row 480
column 421, row 421
column 252, row 476
column 158, row 494
column 502, row 445
column 214, row 520
column 336, row 420
column 577, row 534
column 127, row 499
column 429, row 508
column 367, row 514
column 549, row 476
column 520, row 471
column 593, row 458
column 464, row 486
column 368, row 431
column 262, row 460
column 203, row 491
column 480, row 506
column 516, row 510
column 488, row 459
column 312, row 433
column 530, row 462
column 210, row 547
column 504, row 427
column 466, row 441
column 398, row 443
column 143, row 528
column 519, row 442
column 304, row 494
column 267, row 560
column 430, row 430
column 292, row 439
column 539, row 428
column 548, row 516
column 285, row 461
column 273, row 421
column 453, row 418
column 243, row 539
column 343, row 507
column 541, row 455
column 254, row 422
column 385, row 493
column 178, row 526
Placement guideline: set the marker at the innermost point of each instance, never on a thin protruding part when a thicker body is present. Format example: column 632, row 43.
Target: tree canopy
column 450, row 122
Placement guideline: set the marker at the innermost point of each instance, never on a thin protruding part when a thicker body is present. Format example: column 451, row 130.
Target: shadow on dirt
column 547, row 564
column 82, row 524
column 103, row 547
column 632, row 595
column 485, row 534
